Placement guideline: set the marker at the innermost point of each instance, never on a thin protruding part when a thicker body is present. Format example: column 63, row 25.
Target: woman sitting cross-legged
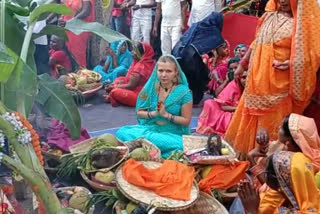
column 125, row 90
column 116, row 63
column 164, row 108
column 217, row 113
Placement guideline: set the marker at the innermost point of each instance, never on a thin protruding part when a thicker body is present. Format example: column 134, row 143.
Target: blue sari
column 124, row 62
column 167, row 137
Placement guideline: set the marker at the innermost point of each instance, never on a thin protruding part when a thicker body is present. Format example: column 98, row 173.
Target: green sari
column 167, row 137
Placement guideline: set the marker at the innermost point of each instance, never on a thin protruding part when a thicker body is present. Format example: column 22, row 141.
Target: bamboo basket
column 91, row 210
column 92, row 92
column 141, row 195
column 196, row 143
column 141, row 142
column 204, row 205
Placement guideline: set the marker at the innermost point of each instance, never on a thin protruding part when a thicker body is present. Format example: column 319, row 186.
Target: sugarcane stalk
column 41, row 188
column 29, row 168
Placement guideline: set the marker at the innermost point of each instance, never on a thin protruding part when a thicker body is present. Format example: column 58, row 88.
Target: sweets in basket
column 208, row 150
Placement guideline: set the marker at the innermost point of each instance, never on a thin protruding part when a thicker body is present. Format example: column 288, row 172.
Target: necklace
column 165, row 89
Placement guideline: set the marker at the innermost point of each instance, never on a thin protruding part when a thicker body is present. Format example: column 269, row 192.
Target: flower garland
column 25, row 133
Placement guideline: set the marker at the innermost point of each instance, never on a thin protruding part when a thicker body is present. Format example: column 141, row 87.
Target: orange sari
column 272, row 94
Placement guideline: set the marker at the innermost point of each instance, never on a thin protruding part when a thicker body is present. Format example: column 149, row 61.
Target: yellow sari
column 272, row 94
column 299, row 193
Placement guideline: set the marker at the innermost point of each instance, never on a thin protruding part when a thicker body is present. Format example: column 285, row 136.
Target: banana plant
column 20, row 87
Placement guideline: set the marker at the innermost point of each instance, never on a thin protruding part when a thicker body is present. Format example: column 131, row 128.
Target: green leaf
column 78, row 26
column 21, row 11
column 59, row 104
column 22, row 3
column 28, row 87
column 52, row 30
column 5, row 57
column 14, row 30
column 51, row 8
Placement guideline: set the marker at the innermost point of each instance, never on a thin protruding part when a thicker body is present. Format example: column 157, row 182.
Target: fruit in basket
column 130, row 207
column 140, row 154
column 224, row 151
column 105, row 158
column 108, row 139
column 56, row 152
column 205, row 171
column 105, row 177
column 79, row 201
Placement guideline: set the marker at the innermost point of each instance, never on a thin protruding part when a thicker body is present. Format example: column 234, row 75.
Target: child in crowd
column 61, row 60
column 240, row 50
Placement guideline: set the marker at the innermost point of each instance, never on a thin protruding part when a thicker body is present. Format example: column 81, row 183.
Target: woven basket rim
column 137, row 201
column 92, row 90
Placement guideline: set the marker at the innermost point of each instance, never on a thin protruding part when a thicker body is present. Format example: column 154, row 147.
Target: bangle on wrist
column 149, row 115
column 172, row 118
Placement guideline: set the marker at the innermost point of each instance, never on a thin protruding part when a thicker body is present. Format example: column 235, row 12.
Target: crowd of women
column 260, row 93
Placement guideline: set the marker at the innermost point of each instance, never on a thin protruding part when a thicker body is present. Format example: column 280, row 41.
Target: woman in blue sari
column 164, row 108
column 116, row 64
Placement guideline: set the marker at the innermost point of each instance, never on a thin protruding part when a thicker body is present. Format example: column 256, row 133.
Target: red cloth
column 77, row 44
column 117, row 11
column 243, row 26
column 143, row 68
column 223, row 176
column 61, row 58
column 221, row 71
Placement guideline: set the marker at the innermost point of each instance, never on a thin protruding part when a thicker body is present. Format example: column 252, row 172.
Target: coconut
column 79, row 201
column 108, row 139
column 105, row 177
column 140, row 154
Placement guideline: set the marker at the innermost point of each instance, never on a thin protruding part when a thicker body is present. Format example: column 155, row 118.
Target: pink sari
column 77, row 44
column 221, row 71
column 212, row 118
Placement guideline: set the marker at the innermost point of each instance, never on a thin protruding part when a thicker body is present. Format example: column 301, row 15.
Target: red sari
column 212, row 118
column 143, row 68
column 77, row 44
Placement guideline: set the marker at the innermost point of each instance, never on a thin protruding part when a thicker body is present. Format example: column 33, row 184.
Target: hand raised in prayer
column 281, row 66
column 249, row 197
column 262, row 137
column 162, row 109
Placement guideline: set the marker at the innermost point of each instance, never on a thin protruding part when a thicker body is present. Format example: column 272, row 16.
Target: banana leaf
column 8, row 61
column 49, row 8
column 78, row 26
column 52, row 30
column 58, row 102
column 22, row 3
column 14, row 34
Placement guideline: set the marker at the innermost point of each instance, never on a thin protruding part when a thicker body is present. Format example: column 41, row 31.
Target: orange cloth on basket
column 173, row 179
column 223, row 176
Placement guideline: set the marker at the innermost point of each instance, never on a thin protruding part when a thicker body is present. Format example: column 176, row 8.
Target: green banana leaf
column 58, row 102
column 78, row 26
column 49, row 8
column 22, row 3
column 8, row 61
column 52, row 30
column 14, row 34
column 21, row 11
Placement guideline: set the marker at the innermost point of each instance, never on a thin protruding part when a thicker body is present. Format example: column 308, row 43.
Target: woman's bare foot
column 106, row 98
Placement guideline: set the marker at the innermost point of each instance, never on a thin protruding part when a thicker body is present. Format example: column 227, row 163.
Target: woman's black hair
column 140, row 48
column 233, row 60
column 271, row 177
column 285, row 126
